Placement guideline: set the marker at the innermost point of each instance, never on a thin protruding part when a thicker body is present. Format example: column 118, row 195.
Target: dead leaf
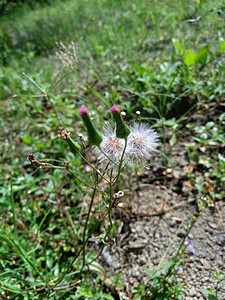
column 209, row 187
column 205, row 263
column 190, row 182
column 177, row 219
column 160, row 208
column 189, row 169
column 212, row 225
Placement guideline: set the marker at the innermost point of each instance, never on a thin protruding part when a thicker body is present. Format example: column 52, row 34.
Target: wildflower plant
column 114, row 149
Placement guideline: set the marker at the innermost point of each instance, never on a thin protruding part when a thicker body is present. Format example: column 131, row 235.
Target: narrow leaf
column 178, row 47
column 98, row 95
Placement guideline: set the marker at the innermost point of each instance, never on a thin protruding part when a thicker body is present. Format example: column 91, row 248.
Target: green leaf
column 85, row 292
column 27, row 139
column 152, row 274
column 98, row 95
column 106, row 296
column 97, row 268
column 202, row 55
column 189, row 58
column 11, row 288
column 168, row 265
column 178, row 47
column 222, row 46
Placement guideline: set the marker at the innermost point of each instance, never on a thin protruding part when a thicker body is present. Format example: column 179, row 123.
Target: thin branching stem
column 93, row 167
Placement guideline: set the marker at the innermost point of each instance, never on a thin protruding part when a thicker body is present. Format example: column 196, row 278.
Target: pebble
column 192, row 292
column 213, row 256
column 190, row 236
column 181, row 233
column 157, row 235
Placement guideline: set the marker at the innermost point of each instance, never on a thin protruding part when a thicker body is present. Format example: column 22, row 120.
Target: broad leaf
column 189, row 58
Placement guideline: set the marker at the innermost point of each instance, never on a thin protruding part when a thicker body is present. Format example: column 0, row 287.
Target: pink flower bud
column 83, row 111
column 115, row 109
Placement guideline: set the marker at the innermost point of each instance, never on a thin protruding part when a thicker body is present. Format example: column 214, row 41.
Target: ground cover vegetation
column 160, row 62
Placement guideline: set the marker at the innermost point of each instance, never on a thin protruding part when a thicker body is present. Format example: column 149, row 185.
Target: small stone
column 157, row 235
column 172, row 223
column 153, row 255
column 181, row 233
column 190, row 236
column 213, row 256
column 192, row 292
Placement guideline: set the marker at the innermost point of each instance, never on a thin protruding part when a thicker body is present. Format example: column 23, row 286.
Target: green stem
column 93, row 167
column 121, row 163
column 110, row 199
column 81, row 180
column 86, row 223
column 107, row 156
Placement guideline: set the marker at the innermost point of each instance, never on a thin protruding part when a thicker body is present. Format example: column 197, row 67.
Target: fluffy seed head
column 142, row 141
column 112, row 146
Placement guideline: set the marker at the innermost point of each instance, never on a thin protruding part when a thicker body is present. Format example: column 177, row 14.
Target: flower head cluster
column 122, row 144
column 141, row 142
column 111, row 145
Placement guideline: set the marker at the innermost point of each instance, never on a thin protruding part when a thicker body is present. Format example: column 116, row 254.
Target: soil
column 155, row 221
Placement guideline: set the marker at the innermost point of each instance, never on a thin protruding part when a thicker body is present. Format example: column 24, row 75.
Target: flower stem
column 121, row 162
column 93, row 167
column 107, row 156
column 86, row 223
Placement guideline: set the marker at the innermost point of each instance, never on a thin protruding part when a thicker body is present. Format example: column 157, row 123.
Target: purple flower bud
column 83, row 111
column 115, row 109
column 191, row 251
column 190, row 247
column 180, row 270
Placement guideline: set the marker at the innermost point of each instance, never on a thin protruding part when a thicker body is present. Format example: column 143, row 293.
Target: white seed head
column 112, row 146
column 142, row 141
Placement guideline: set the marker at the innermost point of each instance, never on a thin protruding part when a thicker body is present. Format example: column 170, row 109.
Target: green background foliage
column 163, row 58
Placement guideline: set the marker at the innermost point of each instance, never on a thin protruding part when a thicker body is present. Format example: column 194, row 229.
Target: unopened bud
column 94, row 136
column 74, row 146
column 122, row 130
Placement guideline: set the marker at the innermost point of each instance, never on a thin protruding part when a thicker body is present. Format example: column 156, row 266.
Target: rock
column 181, row 233
column 213, row 256
column 190, row 236
column 157, row 235
column 192, row 292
